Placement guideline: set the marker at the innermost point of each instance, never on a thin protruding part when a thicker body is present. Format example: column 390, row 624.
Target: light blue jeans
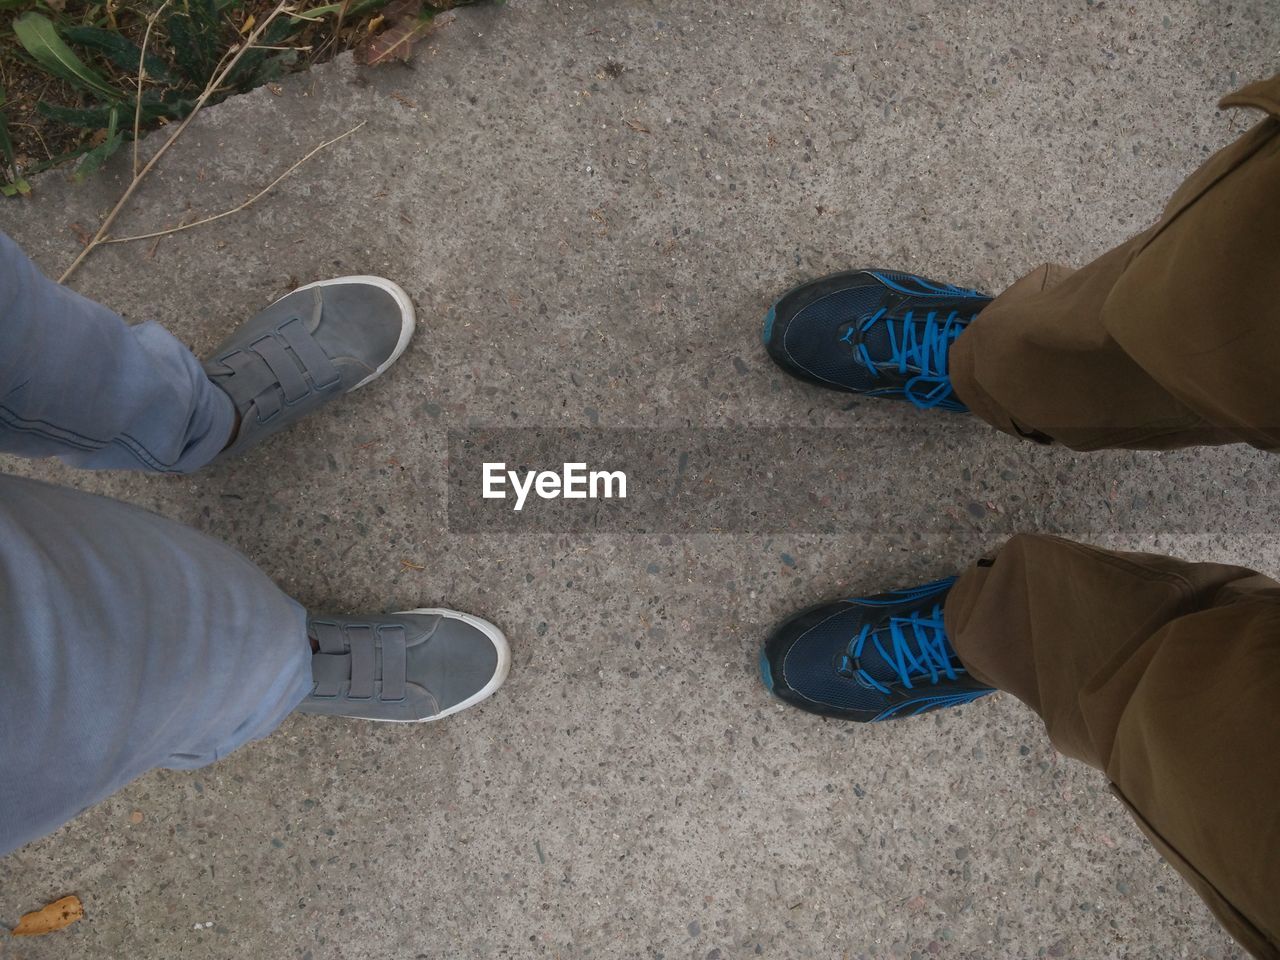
column 127, row 641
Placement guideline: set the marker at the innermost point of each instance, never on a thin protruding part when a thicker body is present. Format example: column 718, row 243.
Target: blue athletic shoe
column 874, row 332
column 870, row 658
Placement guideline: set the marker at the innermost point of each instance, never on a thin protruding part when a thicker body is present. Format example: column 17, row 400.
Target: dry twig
column 219, row 77
column 142, row 75
column 244, row 206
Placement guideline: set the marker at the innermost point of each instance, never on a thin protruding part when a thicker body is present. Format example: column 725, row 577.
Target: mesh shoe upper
column 870, row 658
column 877, row 332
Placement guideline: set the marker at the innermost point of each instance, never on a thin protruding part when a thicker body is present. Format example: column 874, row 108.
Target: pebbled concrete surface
column 592, row 204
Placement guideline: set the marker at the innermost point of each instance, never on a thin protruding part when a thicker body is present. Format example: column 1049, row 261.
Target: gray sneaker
column 319, row 342
column 404, row 667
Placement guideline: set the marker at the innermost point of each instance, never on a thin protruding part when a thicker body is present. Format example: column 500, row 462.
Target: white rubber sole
column 407, row 324
column 499, row 641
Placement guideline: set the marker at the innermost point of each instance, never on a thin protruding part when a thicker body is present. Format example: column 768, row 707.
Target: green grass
column 69, row 70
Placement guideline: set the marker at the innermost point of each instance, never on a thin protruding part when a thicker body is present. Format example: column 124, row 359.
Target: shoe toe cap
column 804, row 329
column 462, row 660
column 366, row 321
column 798, row 663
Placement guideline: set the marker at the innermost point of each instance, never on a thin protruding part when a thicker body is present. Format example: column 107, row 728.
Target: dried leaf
column 407, row 23
column 55, row 916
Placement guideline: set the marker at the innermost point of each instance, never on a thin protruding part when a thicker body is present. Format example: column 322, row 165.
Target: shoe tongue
column 884, row 669
column 875, row 665
column 877, row 341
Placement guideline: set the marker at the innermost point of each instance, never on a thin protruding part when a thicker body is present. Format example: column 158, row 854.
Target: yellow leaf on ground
column 55, row 916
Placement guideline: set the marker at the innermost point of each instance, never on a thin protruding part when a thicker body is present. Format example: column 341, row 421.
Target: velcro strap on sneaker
column 363, row 661
column 288, row 373
column 250, row 378
column 280, row 367
column 330, row 672
column 395, row 662
column 315, row 362
column 329, row 637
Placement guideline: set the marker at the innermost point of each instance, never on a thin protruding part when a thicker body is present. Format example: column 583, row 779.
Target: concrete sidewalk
column 592, row 205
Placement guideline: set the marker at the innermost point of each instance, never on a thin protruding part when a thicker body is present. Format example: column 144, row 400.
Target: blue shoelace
column 918, row 648
column 924, row 350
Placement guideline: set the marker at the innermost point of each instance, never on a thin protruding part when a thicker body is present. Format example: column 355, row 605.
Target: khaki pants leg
column 1166, row 676
column 1170, row 340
